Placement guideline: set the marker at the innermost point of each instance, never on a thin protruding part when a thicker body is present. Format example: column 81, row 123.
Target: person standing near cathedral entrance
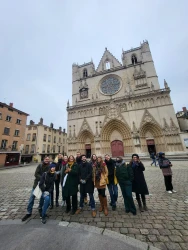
column 112, row 181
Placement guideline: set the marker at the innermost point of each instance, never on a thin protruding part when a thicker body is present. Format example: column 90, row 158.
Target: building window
column 48, row 149
column 16, row 132
column 134, row 59
column 18, row 121
column 6, row 131
column 4, row 144
column 29, row 128
column 14, row 145
column 59, row 149
column 44, row 137
column 107, row 65
column 59, row 139
column 32, row 149
column 54, row 139
column 34, row 127
column 85, row 73
column 54, row 149
column 34, row 137
column 44, row 148
column 45, row 129
column 49, row 138
column 26, row 149
column 28, row 137
column 8, row 118
column 0, row 116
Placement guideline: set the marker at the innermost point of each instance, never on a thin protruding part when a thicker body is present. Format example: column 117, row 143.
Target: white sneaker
column 63, row 203
column 170, row 192
column 173, row 191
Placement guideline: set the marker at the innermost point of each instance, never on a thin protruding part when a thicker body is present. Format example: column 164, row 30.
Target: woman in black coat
column 139, row 185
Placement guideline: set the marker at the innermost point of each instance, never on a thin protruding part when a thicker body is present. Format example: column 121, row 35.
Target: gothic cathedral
column 120, row 109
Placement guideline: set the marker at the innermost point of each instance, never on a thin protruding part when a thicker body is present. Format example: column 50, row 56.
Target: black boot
column 139, row 204
column 144, row 202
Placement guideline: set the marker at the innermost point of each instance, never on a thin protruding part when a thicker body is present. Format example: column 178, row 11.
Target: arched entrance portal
column 117, row 148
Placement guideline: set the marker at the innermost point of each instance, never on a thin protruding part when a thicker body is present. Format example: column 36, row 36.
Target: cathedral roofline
column 85, row 64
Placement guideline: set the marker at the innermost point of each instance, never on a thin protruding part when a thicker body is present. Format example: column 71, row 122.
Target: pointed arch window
column 134, row 59
column 85, row 73
column 107, row 65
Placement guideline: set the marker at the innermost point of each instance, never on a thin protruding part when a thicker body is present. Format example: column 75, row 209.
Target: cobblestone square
column 164, row 225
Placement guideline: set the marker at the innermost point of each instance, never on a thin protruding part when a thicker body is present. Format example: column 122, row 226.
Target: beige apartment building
column 42, row 140
column 12, row 134
column 120, row 108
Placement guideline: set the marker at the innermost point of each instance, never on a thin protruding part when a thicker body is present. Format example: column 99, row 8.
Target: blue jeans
column 153, row 161
column 126, row 189
column 91, row 200
column 31, row 202
column 46, row 204
column 113, row 190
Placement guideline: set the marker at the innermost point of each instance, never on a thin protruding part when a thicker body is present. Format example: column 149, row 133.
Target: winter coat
column 111, row 171
column 139, row 184
column 103, row 177
column 71, row 184
column 167, row 170
column 47, row 181
column 85, row 173
column 41, row 168
column 124, row 173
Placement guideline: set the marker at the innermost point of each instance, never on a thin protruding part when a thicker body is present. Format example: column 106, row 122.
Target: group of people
column 74, row 174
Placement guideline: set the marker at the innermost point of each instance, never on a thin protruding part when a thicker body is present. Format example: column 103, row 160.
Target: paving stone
column 160, row 245
column 172, row 246
column 144, row 231
column 163, row 238
column 153, row 231
column 184, row 246
column 109, row 224
column 133, row 231
column 101, row 224
column 141, row 237
column 152, row 238
column 164, row 231
column 118, row 224
column 123, row 230
column 184, row 232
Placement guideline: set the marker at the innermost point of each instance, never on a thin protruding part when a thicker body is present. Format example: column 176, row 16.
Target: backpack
column 165, row 163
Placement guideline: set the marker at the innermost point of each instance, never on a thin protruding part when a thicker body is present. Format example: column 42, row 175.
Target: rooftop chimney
column 31, row 122
column 184, row 109
column 51, row 125
column 11, row 104
column 60, row 128
column 64, row 130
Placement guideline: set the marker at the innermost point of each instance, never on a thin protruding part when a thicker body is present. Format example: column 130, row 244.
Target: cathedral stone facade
column 120, row 109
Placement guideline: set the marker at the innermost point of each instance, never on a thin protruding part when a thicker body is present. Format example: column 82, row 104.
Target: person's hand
column 46, row 193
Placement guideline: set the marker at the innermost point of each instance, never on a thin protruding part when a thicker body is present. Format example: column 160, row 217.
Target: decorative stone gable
column 148, row 118
column 85, row 126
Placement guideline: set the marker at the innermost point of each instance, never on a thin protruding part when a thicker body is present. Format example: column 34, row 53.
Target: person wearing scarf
column 124, row 174
column 46, row 185
column 70, row 184
column 139, row 185
column 100, row 179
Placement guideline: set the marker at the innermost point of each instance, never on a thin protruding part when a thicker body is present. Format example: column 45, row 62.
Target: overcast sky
column 40, row 40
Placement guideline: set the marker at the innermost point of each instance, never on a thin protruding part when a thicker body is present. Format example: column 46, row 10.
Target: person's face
column 99, row 159
column 46, row 160
column 59, row 156
column 52, row 169
column 65, row 158
column 78, row 154
column 83, row 158
column 117, row 159
column 163, row 155
column 71, row 158
column 94, row 157
column 135, row 158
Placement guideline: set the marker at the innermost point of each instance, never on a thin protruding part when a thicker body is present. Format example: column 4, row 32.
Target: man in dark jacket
column 79, row 161
column 41, row 168
column 47, row 186
column 112, row 186
column 57, row 181
column 86, row 185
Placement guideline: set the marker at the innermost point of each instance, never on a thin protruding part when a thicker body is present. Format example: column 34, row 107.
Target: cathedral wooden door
column 117, row 148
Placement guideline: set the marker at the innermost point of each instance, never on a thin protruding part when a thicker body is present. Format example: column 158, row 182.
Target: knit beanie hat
column 135, row 155
column 52, row 165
